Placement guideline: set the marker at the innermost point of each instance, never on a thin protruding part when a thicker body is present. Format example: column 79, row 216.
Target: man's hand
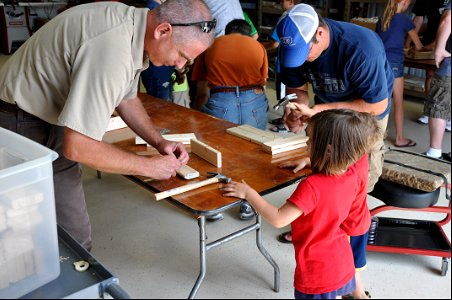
column 174, row 149
column 440, row 55
column 296, row 115
column 164, row 167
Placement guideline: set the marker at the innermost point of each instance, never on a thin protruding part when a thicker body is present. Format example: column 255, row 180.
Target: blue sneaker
column 246, row 212
column 216, row 217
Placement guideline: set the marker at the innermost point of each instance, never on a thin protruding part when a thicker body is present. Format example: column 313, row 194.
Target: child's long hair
column 338, row 138
column 390, row 11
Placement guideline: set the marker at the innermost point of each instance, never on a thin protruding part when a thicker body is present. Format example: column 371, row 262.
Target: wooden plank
column 282, row 143
column 182, row 189
column 285, row 149
column 118, row 135
column 289, row 148
column 288, row 156
column 183, row 138
column 252, row 134
column 206, row 152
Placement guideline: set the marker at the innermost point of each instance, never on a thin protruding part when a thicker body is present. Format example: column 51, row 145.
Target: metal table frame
column 204, row 246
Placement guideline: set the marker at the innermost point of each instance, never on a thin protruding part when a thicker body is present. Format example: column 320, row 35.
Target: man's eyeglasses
column 206, row 26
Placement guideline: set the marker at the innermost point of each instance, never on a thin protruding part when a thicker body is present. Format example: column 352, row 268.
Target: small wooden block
column 187, row 172
column 206, row 152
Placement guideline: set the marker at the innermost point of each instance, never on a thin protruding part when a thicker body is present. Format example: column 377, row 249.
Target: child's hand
column 236, row 189
column 296, row 164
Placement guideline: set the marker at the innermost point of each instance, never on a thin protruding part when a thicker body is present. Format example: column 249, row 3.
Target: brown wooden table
column 241, row 160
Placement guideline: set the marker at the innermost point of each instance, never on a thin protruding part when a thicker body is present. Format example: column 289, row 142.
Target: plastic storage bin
column 29, row 256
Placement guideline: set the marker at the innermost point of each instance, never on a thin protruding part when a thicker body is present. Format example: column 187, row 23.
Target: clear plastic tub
column 29, row 256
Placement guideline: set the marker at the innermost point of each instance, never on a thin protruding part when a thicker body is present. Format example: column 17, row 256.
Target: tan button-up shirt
column 76, row 69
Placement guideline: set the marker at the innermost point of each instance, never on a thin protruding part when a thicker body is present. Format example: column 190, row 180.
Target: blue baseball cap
column 295, row 29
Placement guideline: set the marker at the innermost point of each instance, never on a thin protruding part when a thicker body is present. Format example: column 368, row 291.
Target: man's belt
column 235, row 89
column 8, row 107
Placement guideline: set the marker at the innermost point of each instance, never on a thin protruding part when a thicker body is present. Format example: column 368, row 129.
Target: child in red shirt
column 322, row 210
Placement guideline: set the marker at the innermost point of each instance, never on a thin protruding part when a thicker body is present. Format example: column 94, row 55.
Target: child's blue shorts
column 359, row 244
column 346, row 289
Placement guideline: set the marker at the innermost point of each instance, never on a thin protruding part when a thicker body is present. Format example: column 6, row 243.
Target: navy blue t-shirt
column 394, row 37
column 431, row 10
column 354, row 66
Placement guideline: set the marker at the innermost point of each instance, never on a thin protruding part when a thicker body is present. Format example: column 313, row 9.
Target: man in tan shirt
column 61, row 87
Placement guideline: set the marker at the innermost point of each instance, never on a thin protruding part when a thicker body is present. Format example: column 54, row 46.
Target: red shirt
column 359, row 218
column 322, row 251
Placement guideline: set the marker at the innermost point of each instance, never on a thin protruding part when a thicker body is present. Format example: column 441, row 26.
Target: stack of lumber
column 270, row 142
column 285, row 144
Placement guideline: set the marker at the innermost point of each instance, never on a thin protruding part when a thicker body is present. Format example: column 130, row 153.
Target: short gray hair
column 193, row 11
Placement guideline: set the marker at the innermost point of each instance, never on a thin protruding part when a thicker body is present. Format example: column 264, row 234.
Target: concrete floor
column 152, row 246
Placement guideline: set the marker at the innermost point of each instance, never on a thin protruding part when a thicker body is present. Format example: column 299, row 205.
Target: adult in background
column 437, row 104
column 427, row 12
column 62, row 85
column 157, row 80
column 231, row 76
column 392, row 27
column 224, row 12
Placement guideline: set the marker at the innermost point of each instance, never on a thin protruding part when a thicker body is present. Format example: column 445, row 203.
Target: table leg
column 266, row 254
column 204, row 247
column 202, row 256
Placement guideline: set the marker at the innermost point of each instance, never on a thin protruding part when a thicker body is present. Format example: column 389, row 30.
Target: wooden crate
column 421, row 54
column 370, row 23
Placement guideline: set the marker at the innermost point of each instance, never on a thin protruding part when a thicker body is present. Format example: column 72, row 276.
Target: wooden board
column 206, row 152
column 252, row 134
column 285, row 149
column 118, row 135
column 183, row 138
column 284, row 142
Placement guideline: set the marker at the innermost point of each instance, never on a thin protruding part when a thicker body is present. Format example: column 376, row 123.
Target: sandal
column 410, row 143
column 282, row 238
column 276, row 121
column 350, row 296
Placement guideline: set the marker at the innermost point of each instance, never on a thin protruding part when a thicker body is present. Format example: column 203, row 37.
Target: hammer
column 284, row 101
column 217, row 177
